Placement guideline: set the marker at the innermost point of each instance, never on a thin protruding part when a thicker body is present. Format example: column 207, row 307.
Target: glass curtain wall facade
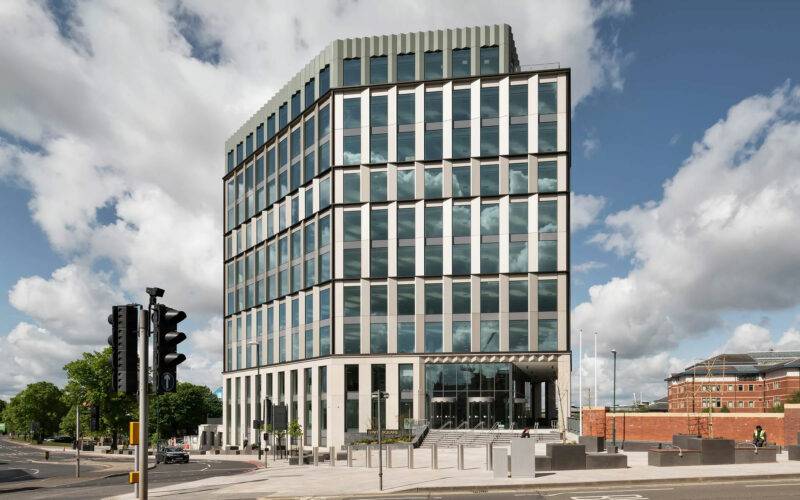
column 406, row 210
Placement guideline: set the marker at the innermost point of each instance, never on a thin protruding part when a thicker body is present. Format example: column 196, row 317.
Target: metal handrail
column 462, row 425
column 446, row 425
column 479, row 425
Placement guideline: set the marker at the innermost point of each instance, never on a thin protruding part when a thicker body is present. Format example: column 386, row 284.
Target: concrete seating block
column 606, row 461
column 566, row 456
column 748, row 455
column 542, row 463
column 794, row 451
column 717, row 451
column 593, row 444
column 522, row 457
column 686, row 441
column 671, row 457
column 639, row 445
column 500, row 463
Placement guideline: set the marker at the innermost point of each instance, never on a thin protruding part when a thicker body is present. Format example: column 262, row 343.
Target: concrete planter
column 748, row 455
column 606, row 461
column 593, row 444
column 672, row 457
column 566, row 456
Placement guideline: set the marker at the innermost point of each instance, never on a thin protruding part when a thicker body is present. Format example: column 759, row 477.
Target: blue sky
column 95, row 147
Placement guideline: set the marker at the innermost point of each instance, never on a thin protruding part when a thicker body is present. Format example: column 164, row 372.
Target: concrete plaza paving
column 282, row 480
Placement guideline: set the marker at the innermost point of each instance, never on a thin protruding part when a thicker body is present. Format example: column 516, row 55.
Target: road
column 25, row 474
column 738, row 490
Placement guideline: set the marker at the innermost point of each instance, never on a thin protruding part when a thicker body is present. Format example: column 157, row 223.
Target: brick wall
column 791, row 423
column 781, row 428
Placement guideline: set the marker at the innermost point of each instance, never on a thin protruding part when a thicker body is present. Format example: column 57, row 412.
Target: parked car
column 172, row 455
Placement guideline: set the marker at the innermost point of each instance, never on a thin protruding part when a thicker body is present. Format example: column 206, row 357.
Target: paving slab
column 283, row 480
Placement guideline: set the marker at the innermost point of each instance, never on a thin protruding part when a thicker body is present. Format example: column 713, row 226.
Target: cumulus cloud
column 748, row 337
column 723, row 237
column 67, row 303
column 115, row 114
column 584, row 210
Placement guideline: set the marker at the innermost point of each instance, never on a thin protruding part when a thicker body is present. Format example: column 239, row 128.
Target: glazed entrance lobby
column 491, row 395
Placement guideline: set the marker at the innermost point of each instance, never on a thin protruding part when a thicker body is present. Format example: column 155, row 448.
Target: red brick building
column 751, row 383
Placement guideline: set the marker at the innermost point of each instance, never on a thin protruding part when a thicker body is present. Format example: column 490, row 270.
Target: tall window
column 547, row 117
column 378, row 69
column 548, row 177
column 351, row 398
column 406, row 388
column 352, row 131
column 433, row 125
column 518, row 178
column 351, row 71
column 490, row 112
column 461, row 181
column 324, row 80
column 461, row 123
column 461, row 62
column 405, row 67
column 433, row 65
column 378, row 139
column 518, row 119
column 548, row 335
column 490, row 60
column 378, row 376
column 309, row 93
column 405, row 127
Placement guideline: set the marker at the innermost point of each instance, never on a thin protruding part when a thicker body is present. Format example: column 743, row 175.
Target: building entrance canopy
column 488, row 395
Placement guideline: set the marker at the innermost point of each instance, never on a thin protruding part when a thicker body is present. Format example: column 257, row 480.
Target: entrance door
column 443, row 413
column 480, row 411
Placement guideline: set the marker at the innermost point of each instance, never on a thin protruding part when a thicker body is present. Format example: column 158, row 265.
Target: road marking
column 590, row 492
column 35, row 471
column 208, row 466
column 768, row 485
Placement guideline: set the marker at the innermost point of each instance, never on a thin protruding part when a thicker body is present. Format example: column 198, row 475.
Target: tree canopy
column 89, row 383
column 180, row 412
column 38, row 408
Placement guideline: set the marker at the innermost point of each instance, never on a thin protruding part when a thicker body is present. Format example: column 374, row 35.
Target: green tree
column 179, row 413
column 296, row 432
column 793, row 399
column 89, row 382
column 39, row 405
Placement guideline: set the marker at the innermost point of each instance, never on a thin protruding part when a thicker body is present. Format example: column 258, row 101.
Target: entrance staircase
column 450, row 438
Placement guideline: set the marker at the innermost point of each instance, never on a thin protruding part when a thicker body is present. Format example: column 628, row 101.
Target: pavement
column 291, row 481
column 24, row 473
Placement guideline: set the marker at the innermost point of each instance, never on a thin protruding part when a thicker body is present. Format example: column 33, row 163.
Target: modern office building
column 397, row 218
column 755, row 382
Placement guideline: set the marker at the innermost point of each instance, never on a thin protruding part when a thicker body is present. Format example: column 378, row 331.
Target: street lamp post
column 380, row 395
column 614, row 401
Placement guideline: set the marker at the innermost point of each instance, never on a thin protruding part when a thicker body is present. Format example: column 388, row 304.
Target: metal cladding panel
column 390, row 45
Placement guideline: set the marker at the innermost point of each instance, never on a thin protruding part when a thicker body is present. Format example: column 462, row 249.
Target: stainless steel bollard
column 410, row 456
column 332, row 456
column 368, row 455
column 315, row 454
column 349, row 456
column 460, row 457
column 388, row 456
column 434, row 457
column 489, row 453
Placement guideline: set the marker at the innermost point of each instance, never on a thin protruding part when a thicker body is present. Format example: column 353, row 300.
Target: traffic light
column 94, row 418
column 123, row 342
column 166, row 357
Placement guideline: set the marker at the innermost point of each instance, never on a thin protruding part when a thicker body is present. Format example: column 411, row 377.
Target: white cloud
column 584, row 210
column 116, row 125
column 589, row 265
column 590, row 144
column 69, row 304
column 723, row 237
column 748, row 337
column 31, row 354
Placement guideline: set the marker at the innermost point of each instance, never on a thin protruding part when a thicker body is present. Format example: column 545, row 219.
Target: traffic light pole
column 144, row 330
column 77, row 440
